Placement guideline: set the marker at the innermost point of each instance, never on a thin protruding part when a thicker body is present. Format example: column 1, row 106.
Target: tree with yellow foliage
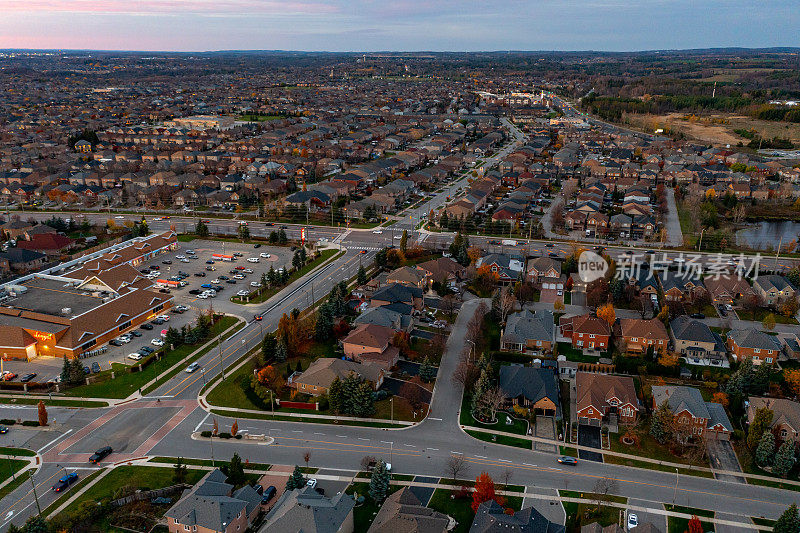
column 792, row 377
column 607, row 313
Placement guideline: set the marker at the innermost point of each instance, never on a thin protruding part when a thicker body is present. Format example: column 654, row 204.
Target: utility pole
column 780, row 243
column 391, row 405
column 221, row 365
column 36, row 497
column 675, row 495
column 212, row 449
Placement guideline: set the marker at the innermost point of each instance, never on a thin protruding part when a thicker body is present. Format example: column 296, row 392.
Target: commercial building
column 75, row 312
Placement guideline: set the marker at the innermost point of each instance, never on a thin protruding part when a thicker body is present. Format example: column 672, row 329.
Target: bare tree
column 604, row 487
column 492, row 400
column 307, row 457
column 455, row 465
column 466, row 373
column 413, row 393
column 506, row 477
column 367, row 461
column 506, row 303
column 448, row 304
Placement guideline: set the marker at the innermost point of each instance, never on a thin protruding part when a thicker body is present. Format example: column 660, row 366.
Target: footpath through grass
column 297, row 274
column 126, row 383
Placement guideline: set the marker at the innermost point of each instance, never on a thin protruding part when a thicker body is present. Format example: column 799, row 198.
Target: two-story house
column 693, row 414
column 529, row 332
column 785, row 416
column 604, row 398
column 695, row 341
column 753, row 344
column 587, row 333
column 636, row 335
column 773, row 289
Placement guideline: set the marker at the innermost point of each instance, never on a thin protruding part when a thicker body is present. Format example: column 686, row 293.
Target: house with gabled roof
column 605, row 398
column 695, row 341
column 587, row 333
column 529, row 332
column 532, row 388
column 753, row 344
column 690, row 412
column 773, row 288
column 785, row 416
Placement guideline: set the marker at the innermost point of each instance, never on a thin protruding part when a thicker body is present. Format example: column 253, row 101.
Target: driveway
column 394, row 385
column 589, row 436
column 721, row 456
column 330, row 486
column 546, row 429
column 424, row 493
column 674, row 233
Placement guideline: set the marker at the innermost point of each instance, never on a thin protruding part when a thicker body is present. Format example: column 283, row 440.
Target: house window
column 784, row 433
column 634, row 339
column 769, row 359
column 580, row 343
column 756, row 350
column 538, row 343
column 187, row 528
column 591, row 336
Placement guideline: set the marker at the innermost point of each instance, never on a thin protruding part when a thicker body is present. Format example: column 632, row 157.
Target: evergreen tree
column 404, row 241
column 427, row 372
column 335, row 392
column 362, row 275
column 264, row 283
column 379, row 483
column 273, row 237
column 382, row 258
column 36, row 524
column 269, row 347
column 762, row 419
column 201, row 229
column 65, row 372
column 789, row 521
column 364, row 402
column 765, row 452
column 235, row 471
column 179, row 471
column 481, row 386
column 303, row 256
column 244, row 232
column 281, row 352
column 296, row 261
column 282, row 239
column 76, row 372
column 784, row 459
column 444, row 220
column 272, row 276
column 661, row 423
column 284, row 277
column 296, row 480
column 324, row 327
column 349, row 394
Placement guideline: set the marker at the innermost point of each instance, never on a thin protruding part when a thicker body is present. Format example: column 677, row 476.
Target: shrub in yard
column 8, row 421
column 238, row 437
column 30, row 423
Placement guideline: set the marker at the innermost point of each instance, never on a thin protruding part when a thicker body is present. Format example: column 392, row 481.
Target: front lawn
column 364, row 514
column 573, row 354
column 681, row 525
column 126, row 383
column 518, row 426
column 500, row 439
column 460, row 509
column 9, row 466
column 760, row 314
column 584, row 513
column 649, row 447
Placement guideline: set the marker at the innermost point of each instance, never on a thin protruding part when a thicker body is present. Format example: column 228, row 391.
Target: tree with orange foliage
column 720, row 398
column 694, row 525
column 234, row 428
column 42, row 413
column 607, row 313
column 484, row 491
column 270, row 378
column 474, row 253
column 288, row 332
column 792, row 377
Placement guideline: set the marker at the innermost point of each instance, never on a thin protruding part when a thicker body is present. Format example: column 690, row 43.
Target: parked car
column 195, row 291
column 135, row 333
column 156, row 321
column 135, row 356
column 253, row 259
column 157, row 342
column 27, row 377
column 200, row 274
column 146, row 326
column 115, row 342
column 256, row 246
column 65, row 481
column 95, row 367
column 165, row 318
column 100, row 454
column 633, row 521
column 697, row 315
column 311, row 483
column 265, row 255
column 268, row 494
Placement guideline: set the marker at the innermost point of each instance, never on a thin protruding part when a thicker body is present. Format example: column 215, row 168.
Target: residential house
column 317, row 378
column 683, row 287
column 637, row 335
column 696, row 342
column 443, row 270
column 605, row 398
column 213, row 506
column 540, row 268
column 21, row 260
column 529, row 332
column 532, row 388
column 727, row 288
column 753, row 344
column 397, row 293
column 307, row 511
column 47, row 243
column 371, row 343
column 773, row 289
column 402, row 512
column 406, row 275
column 507, row 268
column 587, row 333
column 491, row 517
column 695, row 416
column 785, row 416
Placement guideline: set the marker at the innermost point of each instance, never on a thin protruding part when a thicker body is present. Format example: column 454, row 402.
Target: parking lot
column 197, row 273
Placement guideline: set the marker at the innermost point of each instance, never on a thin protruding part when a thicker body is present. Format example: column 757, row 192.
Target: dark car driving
column 100, row 454
column 65, row 482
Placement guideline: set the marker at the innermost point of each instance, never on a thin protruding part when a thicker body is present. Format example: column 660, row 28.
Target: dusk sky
column 370, row 25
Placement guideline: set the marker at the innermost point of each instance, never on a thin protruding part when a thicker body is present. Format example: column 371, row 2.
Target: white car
column 124, row 340
column 210, row 294
column 134, row 356
column 248, row 270
column 311, row 483
column 180, row 257
column 398, row 237
column 633, row 520
column 242, row 293
column 254, row 284
column 216, row 281
column 119, row 217
column 238, row 276
column 165, row 318
column 157, row 342
column 184, row 260
column 202, row 296
column 192, row 367
column 253, row 260
column 265, row 255
column 377, row 231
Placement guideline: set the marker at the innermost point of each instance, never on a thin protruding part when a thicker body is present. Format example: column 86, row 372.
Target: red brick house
column 636, row 335
column 586, row 332
column 603, row 398
column 753, row 344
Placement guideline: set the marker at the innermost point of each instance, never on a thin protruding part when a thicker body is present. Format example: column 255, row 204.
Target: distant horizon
column 337, row 26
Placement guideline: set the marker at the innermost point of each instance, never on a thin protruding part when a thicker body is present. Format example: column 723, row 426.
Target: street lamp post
column 221, row 365
column 675, row 494
column 471, row 350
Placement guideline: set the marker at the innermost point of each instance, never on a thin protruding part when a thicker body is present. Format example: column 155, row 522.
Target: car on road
column 65, row 481
column 268, row 494
column 377, row 231
column 146, row 326
column 119, row 217
column 100, row 454
column 135, row 356
column 362, row 251
column 633, row 521
column 3, row 430
column 155, row 267
column 157, row 342
column 551, row 254
column 27, row 377
column 192, row 367
column 258, row 318
column 566, row 460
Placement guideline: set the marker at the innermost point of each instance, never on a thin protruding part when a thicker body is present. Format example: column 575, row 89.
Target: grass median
column 24, row 452
column 126, row 383
column 52, row 402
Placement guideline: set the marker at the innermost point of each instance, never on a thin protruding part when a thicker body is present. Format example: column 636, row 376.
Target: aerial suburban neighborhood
column 405, row 292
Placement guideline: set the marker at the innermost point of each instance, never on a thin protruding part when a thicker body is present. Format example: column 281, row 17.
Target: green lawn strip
column 138, row 477
column 54, row 403
column 459, row 509
column 364, row 514
column 590, row 496
column 774, row 484
column 5, row 450
column 760, row 314
column 169, row 375
column 624, row 461
column 205, row 462
column 500, row 439
column 519, row 426
column 681, row 525
column 648, row 447
column 72, row 490
column 569, row 452
column 9, row 466
column 297, row 274
column 11, row 487
column 126, row 383
column 704, row 513
column 266, row 416
column 395, row 477
column 762, row 521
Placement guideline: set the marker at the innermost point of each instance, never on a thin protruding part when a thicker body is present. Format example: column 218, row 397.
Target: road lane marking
column 54, row 440
column 203, row 421
column 434, row 449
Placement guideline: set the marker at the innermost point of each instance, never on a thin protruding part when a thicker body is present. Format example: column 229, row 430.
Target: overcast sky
column 371, row 25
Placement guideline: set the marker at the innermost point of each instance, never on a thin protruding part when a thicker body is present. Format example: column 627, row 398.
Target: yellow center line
column 351, row 444
column 340, row 450
column 46, row 481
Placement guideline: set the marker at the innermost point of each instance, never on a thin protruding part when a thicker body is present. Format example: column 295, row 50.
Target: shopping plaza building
column 78, row 308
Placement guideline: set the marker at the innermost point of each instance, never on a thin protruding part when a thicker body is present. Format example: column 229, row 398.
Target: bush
column 224, row 435
column 8, row 422
column 237, row 436
column 206, row 434
column 34, row 423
